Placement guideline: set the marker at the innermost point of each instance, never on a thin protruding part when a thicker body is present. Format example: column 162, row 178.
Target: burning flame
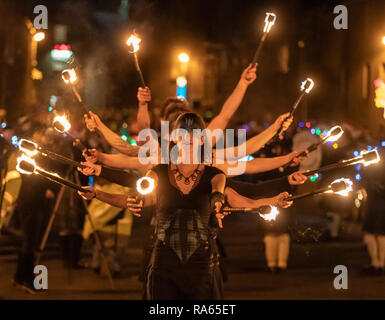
column 63, row 121
column 307, row 85
column 69, row 75
column 348, row 184
column 145, row 189
column 334, row 136
column 367, row 163
column 30, row 152
column 25, row 158
column 269, row 21
column 32, row 162
column 133, row 42
column 270, row 216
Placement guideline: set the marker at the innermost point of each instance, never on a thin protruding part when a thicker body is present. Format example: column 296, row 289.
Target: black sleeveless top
column 184, row 221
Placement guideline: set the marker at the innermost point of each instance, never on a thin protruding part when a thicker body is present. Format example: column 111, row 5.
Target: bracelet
column 216, row 197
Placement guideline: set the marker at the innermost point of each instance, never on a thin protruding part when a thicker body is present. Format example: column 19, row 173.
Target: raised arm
column 117, row 200
column 94, row 123
column 234, row 199
column 255, row 143
column 234, row 100
column 258, row 165
column 119, row 161
column 143, row 116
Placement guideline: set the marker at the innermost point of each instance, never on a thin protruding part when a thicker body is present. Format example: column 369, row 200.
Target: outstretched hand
column 93, row 121
column 89, row 194
column 144, row 95
column 92, row 155
column 297, row 178
column 134, row 206
column 90, row 169
column 280, row 200
column 249, row 74
column 284, row 121
column 294, row 159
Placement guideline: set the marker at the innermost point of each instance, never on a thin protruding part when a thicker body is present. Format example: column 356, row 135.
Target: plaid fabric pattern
column 183, row 232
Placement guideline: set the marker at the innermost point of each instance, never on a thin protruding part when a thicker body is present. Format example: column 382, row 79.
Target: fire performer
column 33, row 205
column 374, row 221
column 232, row 103
column 184, row 262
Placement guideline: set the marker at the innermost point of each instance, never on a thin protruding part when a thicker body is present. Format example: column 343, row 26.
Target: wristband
column 216, row 197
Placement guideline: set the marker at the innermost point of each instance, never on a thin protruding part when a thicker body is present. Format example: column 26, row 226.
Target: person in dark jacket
column 33, row 207
column 374, row 221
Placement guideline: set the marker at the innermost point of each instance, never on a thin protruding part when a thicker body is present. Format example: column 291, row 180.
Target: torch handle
column 78, row 144
column 61, row 158
column 79, row 98
column 295, row 105
column 139, row 70
column 307, row 194
column 239, row 209
column 259, row 48
column 60, row 180
column 332, row 166
column 303, row 154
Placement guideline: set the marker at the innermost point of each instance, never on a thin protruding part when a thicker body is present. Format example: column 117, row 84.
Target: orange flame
column 133, row 42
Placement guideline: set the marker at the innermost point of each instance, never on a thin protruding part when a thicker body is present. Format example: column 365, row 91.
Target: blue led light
column 15, row 141
column 301, row 124
column 90, row 181
column 358, row 177
column 356, row 153
column 370, row 148
column 246, row 158
column 181, row 92
column 358, row 167
column 383, row 144
column 312, row 131
column 4, row 125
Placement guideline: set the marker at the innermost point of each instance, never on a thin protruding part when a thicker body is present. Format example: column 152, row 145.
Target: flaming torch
column 69, row 76
column 144, row 186
column 30, row 148
column 133, row 45
column 268, row 213
column 62, row 125
column 333, row 135
column 269, row 22
column 305, row 88
column 340, row 186
column 366, row 158
column 27, row 165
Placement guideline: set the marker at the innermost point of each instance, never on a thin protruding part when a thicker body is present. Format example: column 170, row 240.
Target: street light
column 38, row 36
column 184, row 57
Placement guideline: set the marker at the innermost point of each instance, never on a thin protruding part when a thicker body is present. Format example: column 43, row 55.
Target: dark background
column 220, row 38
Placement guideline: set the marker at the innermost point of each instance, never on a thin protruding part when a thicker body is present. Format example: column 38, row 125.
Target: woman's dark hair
column 174, row 106
column 190, row 121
